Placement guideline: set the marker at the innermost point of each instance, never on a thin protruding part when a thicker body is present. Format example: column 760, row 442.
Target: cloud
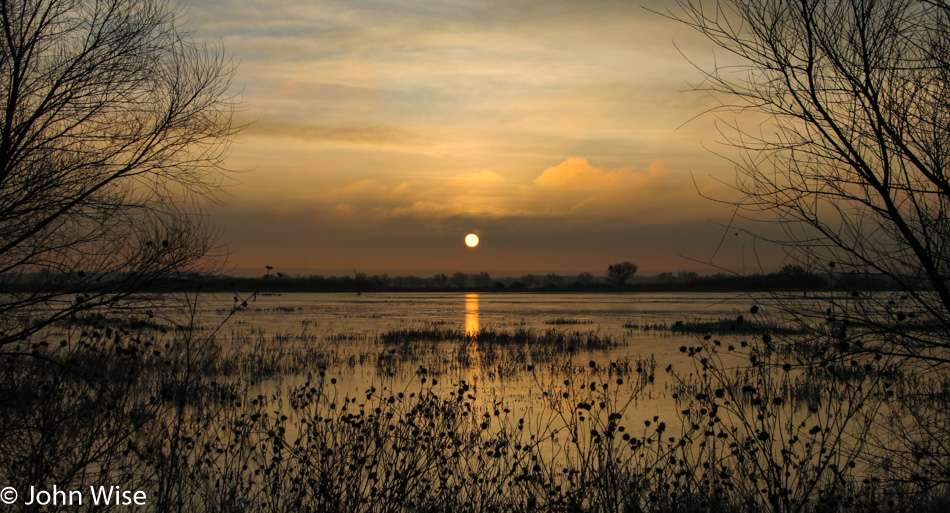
column 371, row 189
column 473, row 194
column 427, row 234
column 409, row 120
column 493, row 73
column 372, row 135
column 577, row 172
column 480, row 177
column 573, row 190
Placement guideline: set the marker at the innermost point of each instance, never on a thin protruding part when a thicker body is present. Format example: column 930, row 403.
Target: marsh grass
column 560, row 321
column 738, row 325
column 823, row 434
column 582, row 445
column 203, row 426
column 426, row 447
column 496, row 354
column 553, row 338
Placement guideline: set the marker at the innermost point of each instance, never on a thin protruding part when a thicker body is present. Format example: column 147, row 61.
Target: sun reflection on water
column 471, row 331
column 471, row 314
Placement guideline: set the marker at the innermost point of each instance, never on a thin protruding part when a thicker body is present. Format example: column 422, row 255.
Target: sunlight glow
column 471, row 240
column 471, row 315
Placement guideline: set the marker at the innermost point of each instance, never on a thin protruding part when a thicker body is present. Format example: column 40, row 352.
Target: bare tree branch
column 115, row 124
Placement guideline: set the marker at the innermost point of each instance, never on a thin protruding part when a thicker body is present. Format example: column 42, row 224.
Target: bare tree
column 440, row 280
column 113, row 125
column 852, row 163
column 459, row 279
column 621, row 272
column 482, row 280
column 585, row 278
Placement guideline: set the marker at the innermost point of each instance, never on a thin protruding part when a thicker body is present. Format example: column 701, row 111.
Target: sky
column 567, row 135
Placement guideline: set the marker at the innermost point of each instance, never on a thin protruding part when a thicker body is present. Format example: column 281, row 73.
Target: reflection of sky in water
column 320, row 318
column 471, row 314
column 330, row 314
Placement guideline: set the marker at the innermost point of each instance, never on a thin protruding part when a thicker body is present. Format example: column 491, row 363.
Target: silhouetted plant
column 851, row 164
column 116, row 123
column 621, row 272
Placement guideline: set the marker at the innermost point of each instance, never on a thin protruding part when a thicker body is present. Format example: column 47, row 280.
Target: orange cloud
column 573, row 188
column 576, row 188
column 577, row 172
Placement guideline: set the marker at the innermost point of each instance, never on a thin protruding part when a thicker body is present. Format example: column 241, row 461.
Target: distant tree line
column 789, row 278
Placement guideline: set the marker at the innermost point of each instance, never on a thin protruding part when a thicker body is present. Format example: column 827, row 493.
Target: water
column 373, row 313
column 342, row 331
column 566, row 399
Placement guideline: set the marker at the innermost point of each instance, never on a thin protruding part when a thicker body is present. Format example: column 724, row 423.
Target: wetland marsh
column 469, row 402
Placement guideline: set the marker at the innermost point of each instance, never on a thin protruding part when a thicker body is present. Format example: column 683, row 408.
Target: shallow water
column 373, row 313
column 348, row 325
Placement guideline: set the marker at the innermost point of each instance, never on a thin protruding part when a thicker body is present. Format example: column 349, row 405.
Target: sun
column 471, row 240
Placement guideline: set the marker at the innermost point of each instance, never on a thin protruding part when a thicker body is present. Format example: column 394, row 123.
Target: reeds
column 275, row 422
column 553, row 338
column 560, row 321
column 723, row 326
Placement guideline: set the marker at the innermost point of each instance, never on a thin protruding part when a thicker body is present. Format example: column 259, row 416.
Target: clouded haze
column 383, row 132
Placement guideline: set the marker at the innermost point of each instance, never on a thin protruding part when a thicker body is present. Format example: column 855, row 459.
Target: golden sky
column 381, row 132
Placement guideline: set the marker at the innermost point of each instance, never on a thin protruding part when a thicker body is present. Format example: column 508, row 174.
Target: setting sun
column 471, row 240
